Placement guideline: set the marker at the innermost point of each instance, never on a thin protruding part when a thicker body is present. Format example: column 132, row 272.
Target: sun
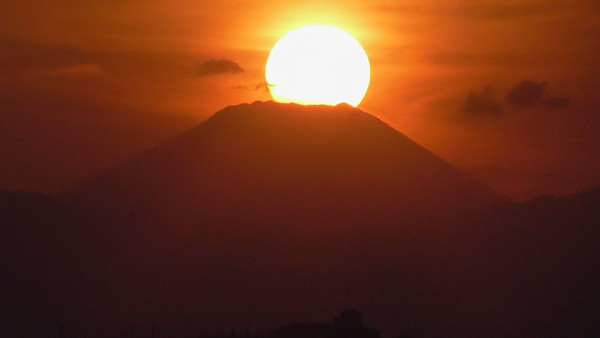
column 318, row 65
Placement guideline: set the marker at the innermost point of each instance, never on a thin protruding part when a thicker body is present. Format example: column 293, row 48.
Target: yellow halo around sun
column 318, row 65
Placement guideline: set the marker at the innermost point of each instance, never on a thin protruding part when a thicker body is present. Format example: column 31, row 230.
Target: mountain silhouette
column 304, row 162
column 274, row 196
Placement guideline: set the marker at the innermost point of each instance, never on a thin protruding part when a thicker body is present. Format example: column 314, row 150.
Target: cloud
column 482, row 102
column 212, row 67
column 530, row 94
column 527, row 93
column 256, row 87
column 262, row 86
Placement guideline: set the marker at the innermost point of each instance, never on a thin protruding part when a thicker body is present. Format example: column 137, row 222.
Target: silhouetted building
column 348, row 325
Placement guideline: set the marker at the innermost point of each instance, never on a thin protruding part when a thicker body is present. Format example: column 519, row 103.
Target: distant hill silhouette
column 268, row 213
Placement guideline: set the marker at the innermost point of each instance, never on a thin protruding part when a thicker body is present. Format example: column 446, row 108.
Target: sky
column 508, row 91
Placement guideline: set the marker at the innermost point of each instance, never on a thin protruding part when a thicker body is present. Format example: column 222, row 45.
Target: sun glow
column 318, row 65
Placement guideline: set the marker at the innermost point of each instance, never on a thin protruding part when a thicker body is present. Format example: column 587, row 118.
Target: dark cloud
column 482, row 102
column 212, row 67
column 261, row 86
column 527, row 94
column 531, row 94
column 256, row 87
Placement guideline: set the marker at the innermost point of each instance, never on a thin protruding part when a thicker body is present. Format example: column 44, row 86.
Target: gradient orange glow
column 133, row 58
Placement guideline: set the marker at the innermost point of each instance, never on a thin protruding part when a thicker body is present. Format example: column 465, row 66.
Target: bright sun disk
column 318, row 65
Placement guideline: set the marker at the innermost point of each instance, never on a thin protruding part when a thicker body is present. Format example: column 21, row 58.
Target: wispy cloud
column 213, row 67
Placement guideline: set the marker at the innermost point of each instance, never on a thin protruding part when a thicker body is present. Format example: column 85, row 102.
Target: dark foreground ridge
column 267, row 213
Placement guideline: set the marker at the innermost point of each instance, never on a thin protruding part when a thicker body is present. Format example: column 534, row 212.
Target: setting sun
column 318, row 65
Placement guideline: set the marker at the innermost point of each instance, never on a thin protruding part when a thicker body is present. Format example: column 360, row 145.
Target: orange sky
column 110, row 78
